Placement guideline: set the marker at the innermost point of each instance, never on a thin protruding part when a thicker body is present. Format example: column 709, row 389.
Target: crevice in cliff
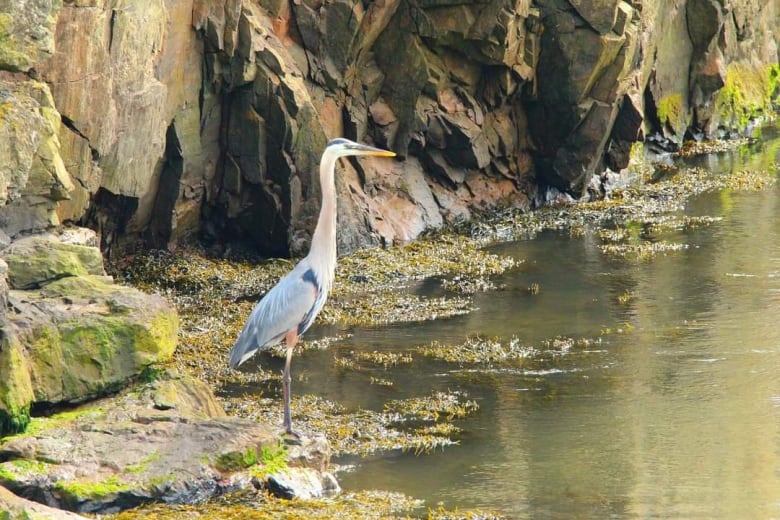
column 71, row 125
column 160, row 227
column 246, row 205
column 68, row 122
column 109, row 215
column 111, row 25
column 302, row 42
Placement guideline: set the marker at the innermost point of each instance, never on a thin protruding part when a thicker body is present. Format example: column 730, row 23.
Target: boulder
column 16, row 392
column 38, row 260
column 168, row 440
column 71, row 333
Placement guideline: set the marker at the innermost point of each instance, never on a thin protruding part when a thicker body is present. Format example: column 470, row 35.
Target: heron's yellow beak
column 364, row 149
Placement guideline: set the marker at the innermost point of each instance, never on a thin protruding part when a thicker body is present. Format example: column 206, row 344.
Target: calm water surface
column 679, row 418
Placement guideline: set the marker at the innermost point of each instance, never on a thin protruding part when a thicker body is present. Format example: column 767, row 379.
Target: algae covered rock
column 86, row 336
column 36, row 260
column 16, row 392
column 26, row 32
column 73, row 334
column 168, row 440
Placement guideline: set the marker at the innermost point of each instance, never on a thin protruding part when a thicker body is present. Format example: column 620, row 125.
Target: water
column 678, row 416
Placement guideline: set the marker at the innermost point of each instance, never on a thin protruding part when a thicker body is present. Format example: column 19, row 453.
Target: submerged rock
column 168, row 441
column 69, row 332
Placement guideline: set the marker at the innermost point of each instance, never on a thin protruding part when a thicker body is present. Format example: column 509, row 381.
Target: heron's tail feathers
column 247, row 344
column 243, row 349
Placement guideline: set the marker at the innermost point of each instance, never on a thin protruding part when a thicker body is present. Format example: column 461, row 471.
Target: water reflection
column 677, row 416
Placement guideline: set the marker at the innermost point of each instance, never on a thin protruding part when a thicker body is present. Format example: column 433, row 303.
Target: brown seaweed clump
column 420, row 424
column 364, row 505
column 642, row 204
column 264, row 506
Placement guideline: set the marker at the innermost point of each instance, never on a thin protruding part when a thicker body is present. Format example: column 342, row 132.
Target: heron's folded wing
column 283, row 308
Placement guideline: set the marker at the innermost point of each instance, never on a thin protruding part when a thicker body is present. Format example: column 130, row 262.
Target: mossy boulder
column 75, row 335
column 37, row 260
column 94, row 352
column 84, row 336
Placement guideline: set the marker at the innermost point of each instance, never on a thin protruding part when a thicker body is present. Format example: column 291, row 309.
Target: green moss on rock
column 16, row 393
column 750, row 91
column 97, row 354
column 10, row 56
column 34, row 261
column 87, row 336
column 236, row 460
column 158, row 341
column 76, row 491
column 671, row 112
column 11, row 470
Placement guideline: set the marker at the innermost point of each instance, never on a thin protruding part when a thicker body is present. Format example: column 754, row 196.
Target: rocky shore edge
column 90, row 424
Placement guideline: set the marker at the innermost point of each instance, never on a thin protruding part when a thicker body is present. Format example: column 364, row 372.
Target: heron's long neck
column 323, row 242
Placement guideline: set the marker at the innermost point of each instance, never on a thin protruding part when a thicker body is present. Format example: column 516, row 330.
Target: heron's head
column 344, row 147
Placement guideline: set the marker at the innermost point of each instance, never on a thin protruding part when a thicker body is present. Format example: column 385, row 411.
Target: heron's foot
column 291, row 437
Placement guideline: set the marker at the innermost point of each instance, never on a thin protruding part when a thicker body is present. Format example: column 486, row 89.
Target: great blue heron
column 290, row 307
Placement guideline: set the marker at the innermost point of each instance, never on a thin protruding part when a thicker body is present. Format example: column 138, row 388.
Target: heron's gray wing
column 283, row 308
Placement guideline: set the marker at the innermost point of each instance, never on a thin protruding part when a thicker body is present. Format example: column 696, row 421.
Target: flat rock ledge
column 167, row 441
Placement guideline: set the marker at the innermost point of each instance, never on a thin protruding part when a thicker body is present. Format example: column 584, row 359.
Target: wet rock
column 13, row 507
column 705, row 24
column 128, row 450
column 600, row 15
column 302, row 483
column 70, row 333
column 579, row 98
column 627, row 130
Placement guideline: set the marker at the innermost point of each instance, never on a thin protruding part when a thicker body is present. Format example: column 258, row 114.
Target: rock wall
column 154, row 121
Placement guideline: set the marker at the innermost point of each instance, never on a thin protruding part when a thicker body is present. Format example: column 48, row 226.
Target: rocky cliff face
column 153, row 121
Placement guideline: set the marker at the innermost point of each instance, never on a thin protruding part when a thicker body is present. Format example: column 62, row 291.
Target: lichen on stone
column 77, row 491
column 671, row 112
column 749, row 92
column 16, row 391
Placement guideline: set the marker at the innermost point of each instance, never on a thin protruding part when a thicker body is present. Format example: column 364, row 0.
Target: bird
column 290, row 307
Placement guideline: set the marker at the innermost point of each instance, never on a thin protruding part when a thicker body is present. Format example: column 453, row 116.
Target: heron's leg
column 291, row 338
